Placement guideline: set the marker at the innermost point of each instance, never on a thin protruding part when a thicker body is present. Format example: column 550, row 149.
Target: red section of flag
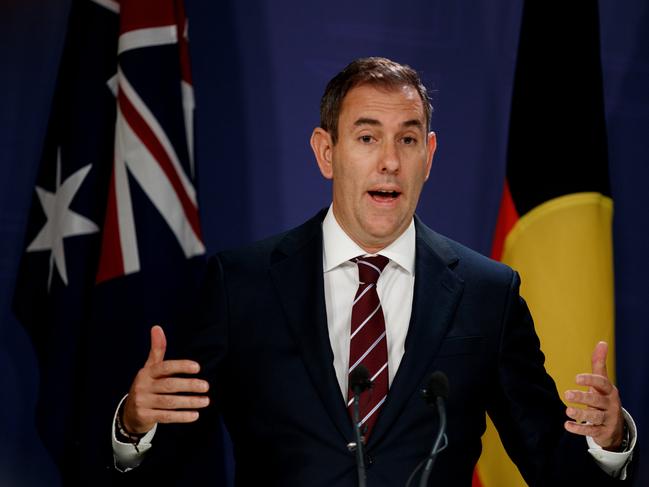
column 475, row 482
column 183, row 42
column 507, row 218
column 146, row 14
column 111, row 260
column 149, row 139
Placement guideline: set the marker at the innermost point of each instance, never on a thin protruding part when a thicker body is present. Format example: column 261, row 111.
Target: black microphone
column 435, row 394
column 359, row 381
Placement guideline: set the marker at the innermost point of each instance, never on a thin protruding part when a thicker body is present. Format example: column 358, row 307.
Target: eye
column 366, row 139
column 409, row 140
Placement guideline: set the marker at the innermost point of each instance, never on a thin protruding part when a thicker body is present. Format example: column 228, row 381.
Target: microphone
column 359, row 381
column 435, row 392
column 434, row 395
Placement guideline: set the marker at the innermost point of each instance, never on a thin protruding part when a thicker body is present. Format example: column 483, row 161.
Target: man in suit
column 281, row 322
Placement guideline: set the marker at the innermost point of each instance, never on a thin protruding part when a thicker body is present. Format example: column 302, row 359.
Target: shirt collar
column 339, row 247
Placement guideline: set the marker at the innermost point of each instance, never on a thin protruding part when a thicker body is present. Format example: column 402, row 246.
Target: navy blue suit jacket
column 263, row 344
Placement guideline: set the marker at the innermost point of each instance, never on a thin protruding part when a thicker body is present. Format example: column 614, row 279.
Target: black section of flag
column 557, row 135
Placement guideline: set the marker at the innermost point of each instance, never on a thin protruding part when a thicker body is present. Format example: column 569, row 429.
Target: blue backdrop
column 259, row 69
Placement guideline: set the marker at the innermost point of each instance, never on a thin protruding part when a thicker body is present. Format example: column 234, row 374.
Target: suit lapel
column 437, row 292
column 296, row 272
column 297, row 275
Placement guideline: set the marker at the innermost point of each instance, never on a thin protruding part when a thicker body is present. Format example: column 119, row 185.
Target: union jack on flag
column 113, row 242
column 145, row 144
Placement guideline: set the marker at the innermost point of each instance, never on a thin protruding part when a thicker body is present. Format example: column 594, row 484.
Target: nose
column 389, row 161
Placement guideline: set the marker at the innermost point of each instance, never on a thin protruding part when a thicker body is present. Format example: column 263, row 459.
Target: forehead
column 384, row 104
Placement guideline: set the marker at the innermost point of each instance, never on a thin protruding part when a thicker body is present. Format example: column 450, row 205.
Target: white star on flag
column 61, row 221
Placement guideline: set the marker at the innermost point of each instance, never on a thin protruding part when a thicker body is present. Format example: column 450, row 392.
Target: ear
column 430, row 151
column 322, row 146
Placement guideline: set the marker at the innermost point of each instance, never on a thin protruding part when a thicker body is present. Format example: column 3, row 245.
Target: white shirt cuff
column 125, row 455
column 615, row 463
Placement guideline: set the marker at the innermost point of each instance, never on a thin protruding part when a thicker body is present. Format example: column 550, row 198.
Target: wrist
column 623, row 444
column 626, row 439
column 122, row 432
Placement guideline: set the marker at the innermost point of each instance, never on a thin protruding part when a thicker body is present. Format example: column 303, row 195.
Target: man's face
column 379, row 164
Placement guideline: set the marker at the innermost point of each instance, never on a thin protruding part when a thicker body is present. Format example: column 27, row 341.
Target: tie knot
column 370, row 268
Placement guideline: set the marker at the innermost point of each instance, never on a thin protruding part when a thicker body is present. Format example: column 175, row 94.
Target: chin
column 383, row 233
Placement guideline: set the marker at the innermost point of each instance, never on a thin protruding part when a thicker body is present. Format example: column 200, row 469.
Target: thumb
column 158, row 346
column 598, row 360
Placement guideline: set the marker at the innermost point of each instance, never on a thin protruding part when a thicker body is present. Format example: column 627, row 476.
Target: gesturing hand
column 602, row 418
column 153, row 395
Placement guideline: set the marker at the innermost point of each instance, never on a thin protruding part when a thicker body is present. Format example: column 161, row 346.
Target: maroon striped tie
column 368, row 343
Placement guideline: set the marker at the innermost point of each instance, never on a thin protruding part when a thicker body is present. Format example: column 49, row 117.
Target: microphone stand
column 428, row 468
column 359, row 381
column 434, row 394
column 360, row 454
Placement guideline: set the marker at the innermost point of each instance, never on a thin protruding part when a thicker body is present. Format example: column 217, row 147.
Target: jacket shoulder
column 467, row 263
column 263, row 253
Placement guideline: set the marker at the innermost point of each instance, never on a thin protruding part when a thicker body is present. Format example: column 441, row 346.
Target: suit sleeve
column 528, row 412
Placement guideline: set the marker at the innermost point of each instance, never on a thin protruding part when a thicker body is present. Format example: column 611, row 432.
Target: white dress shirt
column 395, row 288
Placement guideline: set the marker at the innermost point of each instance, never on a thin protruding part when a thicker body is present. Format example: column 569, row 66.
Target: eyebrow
column 366, row 121
column 412, row 123
column 373, row 121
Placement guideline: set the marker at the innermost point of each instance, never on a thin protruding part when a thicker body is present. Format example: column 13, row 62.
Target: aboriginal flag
column 554, row 225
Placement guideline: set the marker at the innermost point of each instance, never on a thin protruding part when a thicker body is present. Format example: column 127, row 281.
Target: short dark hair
column 377, row 71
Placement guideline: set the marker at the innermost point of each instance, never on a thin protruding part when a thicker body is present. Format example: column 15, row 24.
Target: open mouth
column 384, row 195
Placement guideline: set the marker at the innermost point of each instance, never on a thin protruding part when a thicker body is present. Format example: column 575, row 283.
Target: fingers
column 173, row 367
column 587, row 399
column 602, row 400
column 583, row 429
column 158, row 346
column 598, row 359
column 598, row 382
column 608, row 435
column 595, row 417
column 173, row 385
column 146, row 418
column 161, row 402
column 175, row 416
column 144, row 407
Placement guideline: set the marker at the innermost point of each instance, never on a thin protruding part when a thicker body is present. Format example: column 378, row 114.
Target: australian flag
column 113, row 243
